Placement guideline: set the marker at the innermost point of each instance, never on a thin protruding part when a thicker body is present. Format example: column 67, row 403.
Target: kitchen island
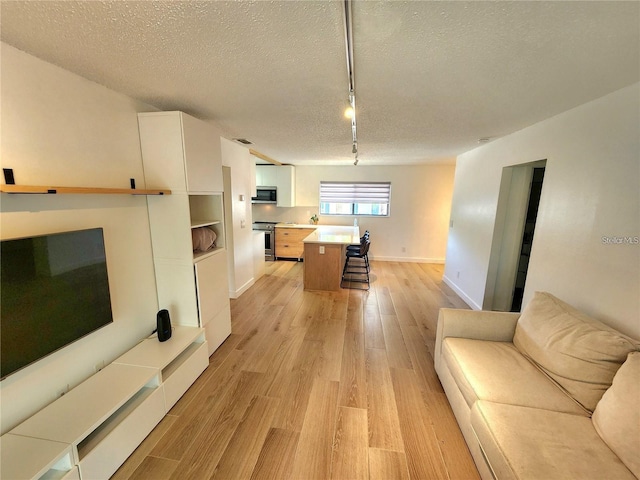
column 324, row 255
column 289, row 239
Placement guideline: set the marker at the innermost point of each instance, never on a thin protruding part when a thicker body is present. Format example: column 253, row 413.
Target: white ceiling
column 431, row 78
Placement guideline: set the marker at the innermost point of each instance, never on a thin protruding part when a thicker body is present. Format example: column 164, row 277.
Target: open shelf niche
column 208, row 211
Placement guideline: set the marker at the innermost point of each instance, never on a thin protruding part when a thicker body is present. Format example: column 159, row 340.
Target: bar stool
column 362, row 239
column 356, row 266
column 357, row 247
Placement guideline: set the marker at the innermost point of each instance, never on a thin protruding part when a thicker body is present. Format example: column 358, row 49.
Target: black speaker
column 8, row 176
column 164, row 326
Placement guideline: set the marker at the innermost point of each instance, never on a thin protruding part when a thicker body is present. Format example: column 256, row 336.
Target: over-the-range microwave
column 265, row 195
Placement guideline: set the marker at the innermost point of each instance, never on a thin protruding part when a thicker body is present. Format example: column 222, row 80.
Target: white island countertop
column 296, row 225
column 337, row 234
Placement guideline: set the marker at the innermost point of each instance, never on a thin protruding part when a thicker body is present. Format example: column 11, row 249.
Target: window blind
column 355, row 192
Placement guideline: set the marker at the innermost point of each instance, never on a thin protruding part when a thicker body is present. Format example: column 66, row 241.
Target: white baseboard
column 241, row 290
column 407, row 259
column 461, row 294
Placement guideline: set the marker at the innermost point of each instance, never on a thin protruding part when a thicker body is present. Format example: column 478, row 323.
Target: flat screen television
column 54, row 290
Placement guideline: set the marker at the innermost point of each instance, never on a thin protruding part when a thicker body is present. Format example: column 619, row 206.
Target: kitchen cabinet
column 283, row 178
column 184, row 153
column 324, row 256
column 266, row 175
column 289, row 241
column 286, row 186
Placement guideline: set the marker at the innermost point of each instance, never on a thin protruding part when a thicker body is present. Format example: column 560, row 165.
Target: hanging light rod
column 348, row 41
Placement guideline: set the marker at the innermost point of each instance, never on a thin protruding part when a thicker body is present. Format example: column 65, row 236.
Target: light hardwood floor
column 318, row 385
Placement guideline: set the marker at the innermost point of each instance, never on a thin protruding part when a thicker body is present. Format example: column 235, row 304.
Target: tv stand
column 89, row 432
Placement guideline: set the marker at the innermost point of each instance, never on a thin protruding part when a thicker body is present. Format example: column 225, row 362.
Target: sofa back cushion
column 617, row 416
column 579, row 353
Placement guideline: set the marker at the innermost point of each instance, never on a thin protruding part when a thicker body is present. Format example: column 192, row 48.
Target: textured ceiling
column 431, row 78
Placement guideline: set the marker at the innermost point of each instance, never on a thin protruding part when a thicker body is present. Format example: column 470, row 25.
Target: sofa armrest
column 475, row 324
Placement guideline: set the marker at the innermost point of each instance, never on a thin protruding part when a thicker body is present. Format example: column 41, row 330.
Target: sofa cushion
column 496, row 371
column 581, row 354
column 617, row 416
column 530, row 443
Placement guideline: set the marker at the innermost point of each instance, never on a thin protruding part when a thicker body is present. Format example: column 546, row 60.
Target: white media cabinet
column 89, row 432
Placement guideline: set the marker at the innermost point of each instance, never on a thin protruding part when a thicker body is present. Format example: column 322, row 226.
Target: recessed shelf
column 106, row 427
column 38, row 189
column 29, row 457
column 202, row 255
column 203, row 223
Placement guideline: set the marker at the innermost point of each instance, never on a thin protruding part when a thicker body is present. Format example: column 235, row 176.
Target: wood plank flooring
column 318, row 385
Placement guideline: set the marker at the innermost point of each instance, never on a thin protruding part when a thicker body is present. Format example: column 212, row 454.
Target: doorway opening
column 527, row 237
column 518, row 202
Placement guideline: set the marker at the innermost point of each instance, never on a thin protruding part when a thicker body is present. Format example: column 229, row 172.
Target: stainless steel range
column 269, row 229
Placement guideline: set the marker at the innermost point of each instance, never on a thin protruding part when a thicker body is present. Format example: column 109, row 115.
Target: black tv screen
column 54, row 290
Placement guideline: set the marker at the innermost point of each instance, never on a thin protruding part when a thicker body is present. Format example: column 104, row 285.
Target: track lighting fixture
column 350, row 112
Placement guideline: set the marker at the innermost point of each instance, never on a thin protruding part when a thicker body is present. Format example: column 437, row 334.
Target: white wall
column 240, row 242
column 420, row 208
column 590, row 191
column 62, row 130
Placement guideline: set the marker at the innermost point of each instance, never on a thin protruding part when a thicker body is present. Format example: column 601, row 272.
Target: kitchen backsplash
column 302, row 215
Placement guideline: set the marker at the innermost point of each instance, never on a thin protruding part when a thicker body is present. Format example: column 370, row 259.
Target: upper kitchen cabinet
column 186, row 152
column 283, row 178
column 266, row 175
column 286, row 186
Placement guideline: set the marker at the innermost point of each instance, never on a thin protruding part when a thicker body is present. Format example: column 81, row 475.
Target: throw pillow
column 579, row 353
column 203, row 239
column 617, row 416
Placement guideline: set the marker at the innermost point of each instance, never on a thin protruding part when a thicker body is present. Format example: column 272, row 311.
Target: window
column 355, row 198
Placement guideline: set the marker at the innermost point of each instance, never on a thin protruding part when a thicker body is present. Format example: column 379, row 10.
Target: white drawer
column 121, row 435
column 183, row 371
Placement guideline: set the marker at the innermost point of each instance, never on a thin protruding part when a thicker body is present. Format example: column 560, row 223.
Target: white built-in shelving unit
column 183, row 154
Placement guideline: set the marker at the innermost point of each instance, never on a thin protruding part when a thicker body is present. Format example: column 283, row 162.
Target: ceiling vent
column 244, row 141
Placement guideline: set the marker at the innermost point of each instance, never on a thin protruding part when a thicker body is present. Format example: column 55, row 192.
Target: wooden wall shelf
column 82, row 190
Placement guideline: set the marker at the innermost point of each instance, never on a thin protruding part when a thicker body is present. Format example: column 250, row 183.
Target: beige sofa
column 546, row 394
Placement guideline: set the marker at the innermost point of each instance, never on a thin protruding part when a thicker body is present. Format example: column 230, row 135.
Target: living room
column 60, row 128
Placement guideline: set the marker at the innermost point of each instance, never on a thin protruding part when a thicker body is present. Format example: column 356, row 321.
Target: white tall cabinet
column 183, row 154
column 283, row 177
